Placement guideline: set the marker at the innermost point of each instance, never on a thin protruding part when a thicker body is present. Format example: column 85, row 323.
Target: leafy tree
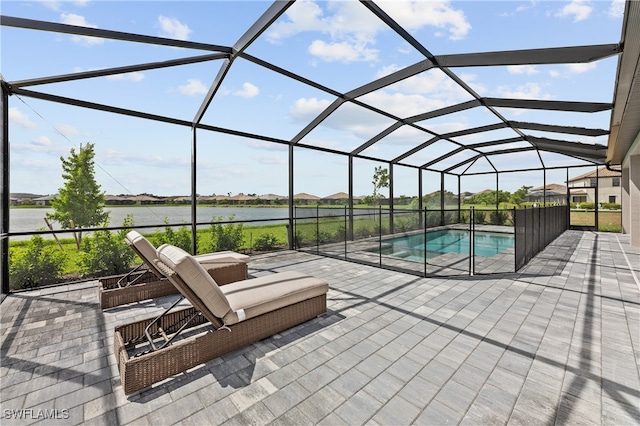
column 80, row 202
column 488, row 198
column 520, row 195
column 380, row 180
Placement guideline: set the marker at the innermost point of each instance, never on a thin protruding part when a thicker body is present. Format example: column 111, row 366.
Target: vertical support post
column 497, row 192
column 4, row 207
column 597, row 200
column 345, row 232
column 568, row 201
column 425, row 248
column 459, row 198
column 515, row 240
column 544, row 187
column 441, row 198
column 194, row 157
column 421, row 216
column 544, row 203
column 472, row 220
column 293, row 235
column 391, row 206
column 351, row 197
column 317, row 229
column 380, row 235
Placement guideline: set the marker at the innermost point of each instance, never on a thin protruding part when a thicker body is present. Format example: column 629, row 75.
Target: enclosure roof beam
column 319, row 119
column 286, row 73
column 32, row 24
column 118, row 70
column 583, row 131
column 392, row 78
column 416, row 149
column 548, row 105
column 554, row 55
column 137, row 114
column 274, row 11
column 395, row 126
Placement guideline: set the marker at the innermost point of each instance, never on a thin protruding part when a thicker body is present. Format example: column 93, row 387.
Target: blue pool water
column 411, row 247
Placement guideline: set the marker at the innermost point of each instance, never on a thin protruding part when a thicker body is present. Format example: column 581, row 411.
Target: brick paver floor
column 556, row 343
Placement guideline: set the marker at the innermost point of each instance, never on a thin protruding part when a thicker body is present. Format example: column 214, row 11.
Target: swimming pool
column 411, row 247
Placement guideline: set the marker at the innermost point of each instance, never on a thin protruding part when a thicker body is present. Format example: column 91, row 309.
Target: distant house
column 582, row 189
column 302, row 198
column 273, row 199
column 551, row 193
column 118, row 200
column 146, row 199
column 340, row 198
column 242, row 199
column 43, row 201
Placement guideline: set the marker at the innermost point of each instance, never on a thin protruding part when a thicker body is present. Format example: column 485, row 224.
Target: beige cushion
column 256, row 296
column 144, row 248
column 196, row 277
column 212, row 257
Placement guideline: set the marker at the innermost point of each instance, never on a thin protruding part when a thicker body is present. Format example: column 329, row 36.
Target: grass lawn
column 608, row 221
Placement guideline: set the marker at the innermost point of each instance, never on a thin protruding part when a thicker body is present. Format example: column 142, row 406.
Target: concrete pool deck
column 556, row 343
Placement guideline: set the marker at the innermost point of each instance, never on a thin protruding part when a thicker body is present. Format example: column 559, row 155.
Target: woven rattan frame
column 137, row 373
column 150, row 288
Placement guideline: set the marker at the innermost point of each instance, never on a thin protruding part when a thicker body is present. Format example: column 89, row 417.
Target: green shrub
column 106, row 252
column 586, row 206
column 363, row 232
column 37, row 265
column 610, row 206
column 180, row 238
column 498, row 217
column 226, row 237
column 322, row 237
column 266, row 242
column 480, row 217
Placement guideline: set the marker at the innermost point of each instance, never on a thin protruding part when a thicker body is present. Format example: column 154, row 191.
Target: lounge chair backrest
column 145, row 250
column 196, row 278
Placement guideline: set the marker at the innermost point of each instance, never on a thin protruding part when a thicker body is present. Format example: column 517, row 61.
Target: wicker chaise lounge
column 221, row 319
column 150, row 283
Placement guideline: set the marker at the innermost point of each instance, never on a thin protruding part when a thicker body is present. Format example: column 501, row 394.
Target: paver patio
column 556, row 343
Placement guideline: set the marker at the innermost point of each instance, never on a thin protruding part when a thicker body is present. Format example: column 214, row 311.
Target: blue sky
column 338, row 44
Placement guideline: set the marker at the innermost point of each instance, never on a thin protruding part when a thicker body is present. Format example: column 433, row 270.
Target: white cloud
column 270, row 159
column 173, row 28
column 616, row 10
column 522, row 69
column 21, row 119
column 580, row 68
column 414, row 15
column 525, row 91
column 308, row 109
column 57, row 5
column 579, row 9
column 118, row 158
column 248, row 91
column 41, row 141
column 555, row 73
column 130, row 76
column 350, row 33
column 80, row 21
column 193, row 87
column 67, row 130
column 342, row 52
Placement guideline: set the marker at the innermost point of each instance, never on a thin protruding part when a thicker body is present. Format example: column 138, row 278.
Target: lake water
column 27, row 220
